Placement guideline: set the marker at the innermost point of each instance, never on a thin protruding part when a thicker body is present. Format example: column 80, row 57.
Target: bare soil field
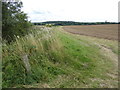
column 109, row 31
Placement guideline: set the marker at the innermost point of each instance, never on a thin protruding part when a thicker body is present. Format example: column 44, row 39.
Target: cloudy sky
column 71, row 10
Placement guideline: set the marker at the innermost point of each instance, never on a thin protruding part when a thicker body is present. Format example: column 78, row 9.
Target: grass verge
column 53, row 58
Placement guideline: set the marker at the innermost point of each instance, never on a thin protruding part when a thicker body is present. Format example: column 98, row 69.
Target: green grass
column 58, row 60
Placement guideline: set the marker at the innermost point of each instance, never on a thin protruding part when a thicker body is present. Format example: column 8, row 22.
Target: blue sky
column 71, row 10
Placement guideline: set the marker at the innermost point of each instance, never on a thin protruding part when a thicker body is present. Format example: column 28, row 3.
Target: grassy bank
column 51, row 57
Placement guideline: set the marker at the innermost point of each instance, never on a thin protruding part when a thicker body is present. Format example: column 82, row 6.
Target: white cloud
column 72, row 10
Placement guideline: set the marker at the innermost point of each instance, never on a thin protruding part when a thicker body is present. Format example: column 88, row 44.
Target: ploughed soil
column 106, row 31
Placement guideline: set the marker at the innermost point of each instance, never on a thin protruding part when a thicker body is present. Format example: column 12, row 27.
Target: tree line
column 64, row 23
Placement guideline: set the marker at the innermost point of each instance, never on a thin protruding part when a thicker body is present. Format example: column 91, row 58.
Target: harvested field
column 109, row 31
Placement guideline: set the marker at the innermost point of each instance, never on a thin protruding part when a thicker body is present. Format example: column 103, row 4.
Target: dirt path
column 109, row 53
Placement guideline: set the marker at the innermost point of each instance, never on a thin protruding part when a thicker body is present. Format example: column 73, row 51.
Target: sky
column 71, row 10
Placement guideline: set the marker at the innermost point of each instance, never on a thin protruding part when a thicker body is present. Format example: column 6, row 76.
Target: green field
column 49, row 57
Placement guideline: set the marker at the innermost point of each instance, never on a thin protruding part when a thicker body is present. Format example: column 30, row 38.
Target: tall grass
column 40, row 47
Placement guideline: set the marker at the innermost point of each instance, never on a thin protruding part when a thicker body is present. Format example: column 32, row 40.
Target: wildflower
column 18, row 37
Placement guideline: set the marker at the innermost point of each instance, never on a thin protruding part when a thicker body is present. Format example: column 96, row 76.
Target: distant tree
column 14, row 21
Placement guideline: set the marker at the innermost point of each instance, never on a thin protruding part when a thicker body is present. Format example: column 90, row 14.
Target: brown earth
column 109, row 31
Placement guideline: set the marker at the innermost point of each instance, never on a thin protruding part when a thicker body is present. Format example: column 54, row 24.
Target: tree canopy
column 14, row 21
